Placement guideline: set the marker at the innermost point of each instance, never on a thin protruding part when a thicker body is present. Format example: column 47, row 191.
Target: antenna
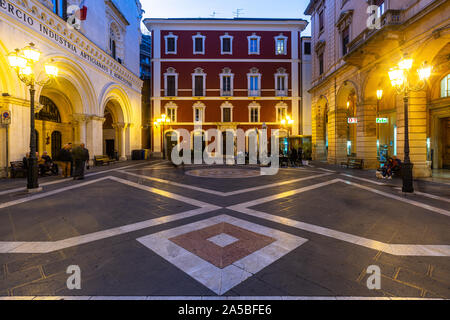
column 237, row 13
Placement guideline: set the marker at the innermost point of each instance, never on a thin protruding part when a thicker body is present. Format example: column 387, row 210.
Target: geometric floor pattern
column 221, row 268
column 222, row 252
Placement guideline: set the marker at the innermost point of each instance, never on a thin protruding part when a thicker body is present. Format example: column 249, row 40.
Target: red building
column 226, row 74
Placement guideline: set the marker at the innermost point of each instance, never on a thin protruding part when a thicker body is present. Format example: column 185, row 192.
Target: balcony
column 371, row 41
column 226, row 93
column 281, row 93
column 254, row 93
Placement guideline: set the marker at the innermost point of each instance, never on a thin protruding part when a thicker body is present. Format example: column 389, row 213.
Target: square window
column 307, row 48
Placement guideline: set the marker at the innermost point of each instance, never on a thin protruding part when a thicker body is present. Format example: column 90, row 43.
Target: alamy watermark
column 227, row 147
column 374, row 280
column 74, row 281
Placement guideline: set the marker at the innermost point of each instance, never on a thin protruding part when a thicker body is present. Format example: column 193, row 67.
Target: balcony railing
column 226, row 93
column 281, row 93
column 254, row 93
column 390, row 18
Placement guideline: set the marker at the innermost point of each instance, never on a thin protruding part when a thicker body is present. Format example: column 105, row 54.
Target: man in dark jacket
column 65, row 159
column 80, row 156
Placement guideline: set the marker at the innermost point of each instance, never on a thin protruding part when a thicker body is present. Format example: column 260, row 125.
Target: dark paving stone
column 424, row 282
column 45, row 287
column 24, row 262
column 103, row 206
column 363, row 213
column 20, row 278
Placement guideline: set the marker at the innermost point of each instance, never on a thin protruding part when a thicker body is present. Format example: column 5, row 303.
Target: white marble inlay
column 219, row 280
column 223, row 240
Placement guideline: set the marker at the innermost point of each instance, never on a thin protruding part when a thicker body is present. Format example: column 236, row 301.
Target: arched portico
column 116, row 111
column 348, row 121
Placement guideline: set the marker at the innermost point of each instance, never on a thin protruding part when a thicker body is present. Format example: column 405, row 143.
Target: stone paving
column 148, row 229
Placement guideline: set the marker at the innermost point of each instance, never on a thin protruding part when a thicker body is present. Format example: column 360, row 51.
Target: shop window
column 445, row 87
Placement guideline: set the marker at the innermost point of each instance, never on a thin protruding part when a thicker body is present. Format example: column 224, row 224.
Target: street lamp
column 401, row 78
column 161, row 122
column 287, row 124
column 23, row 62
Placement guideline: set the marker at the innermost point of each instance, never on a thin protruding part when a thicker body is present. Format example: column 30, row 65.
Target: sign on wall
column 352, row 120
column 382, row 120
column 6, row 117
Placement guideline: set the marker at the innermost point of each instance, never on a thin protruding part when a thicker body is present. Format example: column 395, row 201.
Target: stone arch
column 320, row 142
column 114, row 94
column 347, row 102
column 71, row 80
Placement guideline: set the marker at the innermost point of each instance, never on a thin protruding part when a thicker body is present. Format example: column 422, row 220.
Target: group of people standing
column 71, row 161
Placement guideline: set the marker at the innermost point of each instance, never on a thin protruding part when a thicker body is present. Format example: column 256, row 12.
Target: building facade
column 354, row 48
column 96, row 98
column 225, row 74
column 146, row 77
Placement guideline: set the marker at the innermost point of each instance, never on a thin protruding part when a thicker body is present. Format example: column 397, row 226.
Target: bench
column 353, row 163
column 102, row 160
column 16, row 168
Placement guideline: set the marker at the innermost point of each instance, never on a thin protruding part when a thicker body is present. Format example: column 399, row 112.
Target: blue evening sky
column 226, row 9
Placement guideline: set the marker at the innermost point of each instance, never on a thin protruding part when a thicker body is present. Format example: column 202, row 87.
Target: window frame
column 166, row 38
column 254, row 72
column 198, row 72
column 170, row 72
column 171, row 106
column 226, row 105
column 285, row 45
column 254, row 106
column 278, row 107
column 445, row 87
column 344, row 49
column 226, row 72
column 202, row 107
column 254, row 36
column 321, row 19
column 194, row 49
column 226, row 36
column 281, row 72
column 321, row 60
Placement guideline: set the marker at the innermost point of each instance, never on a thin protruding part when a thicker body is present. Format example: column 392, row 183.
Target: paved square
column 225, row 237
column 221, row 269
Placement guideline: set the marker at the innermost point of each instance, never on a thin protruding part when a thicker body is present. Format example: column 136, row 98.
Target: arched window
column 445, row 87
column 49, row 112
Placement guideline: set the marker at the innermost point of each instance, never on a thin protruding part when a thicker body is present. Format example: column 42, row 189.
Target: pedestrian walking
column 65, row 159
column 294, row 156
column 80, row 157
column 300, row 155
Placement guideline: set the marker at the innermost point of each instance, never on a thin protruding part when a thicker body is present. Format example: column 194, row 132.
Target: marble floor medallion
column 223, row 251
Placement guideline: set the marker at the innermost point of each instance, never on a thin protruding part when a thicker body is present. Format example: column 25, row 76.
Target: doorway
column 110, row 148
column 56, row 143
column 445, row 125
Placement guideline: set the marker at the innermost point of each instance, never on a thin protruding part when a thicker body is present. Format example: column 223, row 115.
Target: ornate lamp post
column 24, row 62
column 287, row 124
column 405, row 81
column 161, row 123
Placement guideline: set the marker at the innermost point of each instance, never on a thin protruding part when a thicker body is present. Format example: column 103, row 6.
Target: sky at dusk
column 226, row 9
